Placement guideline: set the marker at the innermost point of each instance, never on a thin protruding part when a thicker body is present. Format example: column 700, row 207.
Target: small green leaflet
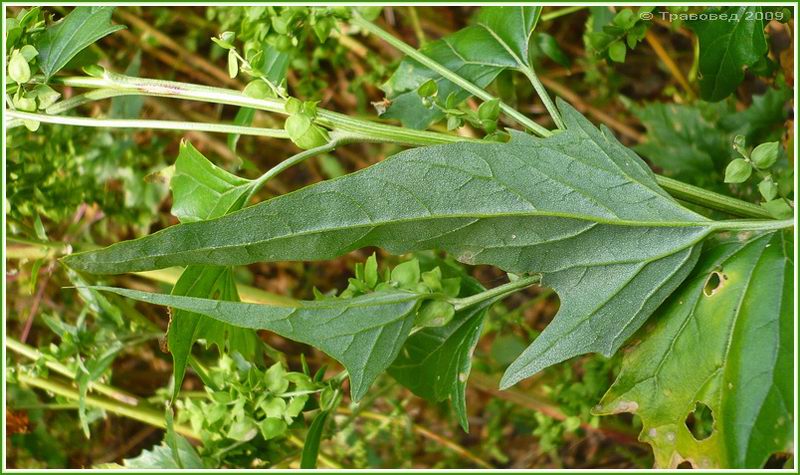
column 62, row 41
column 727, row 46
column 364, row 333
column 577, row 207
column 723, row 339
column 497, row 41
column 201, row 190
column 435, row 362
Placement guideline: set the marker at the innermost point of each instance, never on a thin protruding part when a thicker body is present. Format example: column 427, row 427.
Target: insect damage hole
column 700, row 422
column 714, row 282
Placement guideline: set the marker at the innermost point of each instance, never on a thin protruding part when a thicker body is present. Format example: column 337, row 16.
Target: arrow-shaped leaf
column 578, row 207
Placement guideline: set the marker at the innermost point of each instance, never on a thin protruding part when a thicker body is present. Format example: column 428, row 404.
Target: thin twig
column 48, row 271
column 576, row 101
column 665, row 58
column 414, row 20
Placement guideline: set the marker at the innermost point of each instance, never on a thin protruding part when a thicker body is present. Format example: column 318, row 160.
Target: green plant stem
column 415, row 25
column 446, row 73
column 752, row 225
column 365, row 130
column 34, row 354
column 140, row 413
column 81, row 99
column 290, row 162
column 709, row 199
column 369, row 131
column 561, row 12
column 530, row 73
column 148, row 124
column 497, row 292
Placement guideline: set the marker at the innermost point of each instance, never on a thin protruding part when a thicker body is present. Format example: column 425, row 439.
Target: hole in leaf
column 714, row 282
column 700, row 422
column 685, row 465
column 779, row 461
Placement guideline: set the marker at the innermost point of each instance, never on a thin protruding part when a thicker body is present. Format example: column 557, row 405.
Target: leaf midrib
column 525, row 214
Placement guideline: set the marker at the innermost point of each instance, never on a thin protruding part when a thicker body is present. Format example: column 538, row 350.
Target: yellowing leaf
column 723, row 340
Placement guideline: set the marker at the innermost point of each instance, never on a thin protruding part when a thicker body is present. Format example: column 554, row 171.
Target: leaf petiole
column 496, row 293
column 752, row 225
column 292, row 161
column 530, row 73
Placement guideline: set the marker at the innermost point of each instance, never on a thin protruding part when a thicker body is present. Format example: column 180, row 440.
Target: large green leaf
column 64, row 40
column 723, row 339
column 578, row 207
column 364, row 333
column 201, row 190
column 497, row 41
column 727, row 45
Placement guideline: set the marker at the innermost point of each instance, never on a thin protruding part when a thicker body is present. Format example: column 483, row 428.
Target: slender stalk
column 544, row 96
column 561, row 12
column 497, row 292
column 415, row 25
column 368, row 130
column 34, row 354
column 148, row 124
column 447, row 74
column 710, row 200
column 81, row 99
column 290, row 162
column 752, row 225
column 140, row 413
